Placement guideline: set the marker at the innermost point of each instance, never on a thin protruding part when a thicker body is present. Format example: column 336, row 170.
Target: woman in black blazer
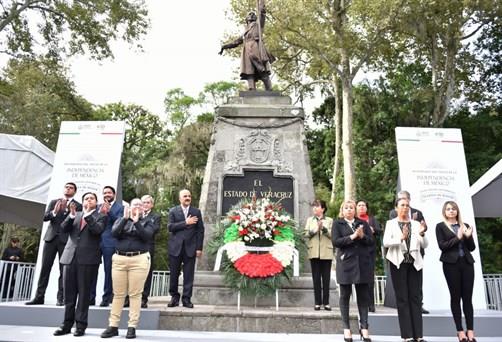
column 353, row 239
column 456, row 243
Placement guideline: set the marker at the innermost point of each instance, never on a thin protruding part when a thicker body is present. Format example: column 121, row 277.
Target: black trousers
column 56, row 246
column 175, row 263
column 362, row 304
column 406, row 281
column 371, row 284
column 77, row 289
column 148, row 281
column 321, row 274
column 460, row 279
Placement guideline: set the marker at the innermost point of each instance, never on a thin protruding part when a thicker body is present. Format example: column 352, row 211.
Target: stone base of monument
column 249, row 319
column 210, row 289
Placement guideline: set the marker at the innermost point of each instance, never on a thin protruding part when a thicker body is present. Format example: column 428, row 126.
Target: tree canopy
column 59, row 28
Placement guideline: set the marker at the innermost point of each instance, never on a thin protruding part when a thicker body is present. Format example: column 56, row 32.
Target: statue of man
column 255, row 59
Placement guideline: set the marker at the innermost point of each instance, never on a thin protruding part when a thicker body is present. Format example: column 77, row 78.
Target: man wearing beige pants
column 130, row 266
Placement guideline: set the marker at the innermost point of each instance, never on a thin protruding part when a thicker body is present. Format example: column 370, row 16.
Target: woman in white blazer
column 403, row 238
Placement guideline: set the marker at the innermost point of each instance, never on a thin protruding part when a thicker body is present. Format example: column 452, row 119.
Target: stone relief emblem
column 259, row 148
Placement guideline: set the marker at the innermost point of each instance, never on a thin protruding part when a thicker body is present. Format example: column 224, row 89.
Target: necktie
column 82, row 223
column 185, row 212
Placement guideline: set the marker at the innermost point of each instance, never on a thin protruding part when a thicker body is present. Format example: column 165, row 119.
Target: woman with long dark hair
column 456, row 243
column 362, row 213
column 404, row 238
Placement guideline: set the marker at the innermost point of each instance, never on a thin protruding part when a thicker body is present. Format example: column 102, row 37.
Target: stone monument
column 258, row 148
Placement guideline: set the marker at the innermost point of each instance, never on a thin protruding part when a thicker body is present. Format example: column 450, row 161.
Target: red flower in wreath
column 258, row 265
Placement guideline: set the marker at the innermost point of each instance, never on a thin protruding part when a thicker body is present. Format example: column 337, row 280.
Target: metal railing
column 379, row 289
column 160, row 284
column 493, row 291
column 16, row 279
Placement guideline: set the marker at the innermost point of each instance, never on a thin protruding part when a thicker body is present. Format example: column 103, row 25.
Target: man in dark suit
column 81, row 259
column 113, row 211
column 185, row 244
column 148, row 203
column 54, row 242
column 415, row 215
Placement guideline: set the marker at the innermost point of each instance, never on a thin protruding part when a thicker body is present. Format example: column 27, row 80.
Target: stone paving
column 41, row 334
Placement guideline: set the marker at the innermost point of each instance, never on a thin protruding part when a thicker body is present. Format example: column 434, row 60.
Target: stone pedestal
column 258, row 148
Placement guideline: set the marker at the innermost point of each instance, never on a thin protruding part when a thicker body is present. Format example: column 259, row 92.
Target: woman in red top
column 362, row 212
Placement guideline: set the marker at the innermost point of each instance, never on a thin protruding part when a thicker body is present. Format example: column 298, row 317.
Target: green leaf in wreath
column 231, row 233
column 286, row 234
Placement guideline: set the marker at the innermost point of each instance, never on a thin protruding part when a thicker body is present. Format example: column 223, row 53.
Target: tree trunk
column 338, row 133
column 347, row 139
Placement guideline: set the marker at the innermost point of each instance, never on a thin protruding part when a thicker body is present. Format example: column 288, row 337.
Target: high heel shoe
column 365, row 339
column 464, row 339
column 347, row 339
column 470, row 339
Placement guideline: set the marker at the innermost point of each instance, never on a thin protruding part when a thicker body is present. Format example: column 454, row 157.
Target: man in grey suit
column 80, row 260
column 54, row 242
column 185, row 244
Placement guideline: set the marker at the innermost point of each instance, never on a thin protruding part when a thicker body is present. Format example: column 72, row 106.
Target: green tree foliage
column 146, row 141
column 35, row 96
column 64, row 27
column 481, row 133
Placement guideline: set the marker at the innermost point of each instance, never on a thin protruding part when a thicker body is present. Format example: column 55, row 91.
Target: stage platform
column 43, row 334
column 211, row 318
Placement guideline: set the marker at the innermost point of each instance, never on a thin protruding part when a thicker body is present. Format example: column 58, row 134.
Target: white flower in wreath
column 283, row 252
column 235, row 250
column 263, row 226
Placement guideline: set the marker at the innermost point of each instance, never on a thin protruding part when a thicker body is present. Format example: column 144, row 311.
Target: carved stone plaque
column 260, row 184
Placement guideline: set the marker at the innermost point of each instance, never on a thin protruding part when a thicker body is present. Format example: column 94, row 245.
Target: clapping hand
column 406, row 232
column 135, row 214
column 460, row 233
column 127, row 212
column 467, row 232
column 59, row 206
column 73, row 209
column 105, row 208
column 360, row 231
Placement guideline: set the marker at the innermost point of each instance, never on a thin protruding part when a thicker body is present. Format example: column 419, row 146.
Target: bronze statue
column 255, row 59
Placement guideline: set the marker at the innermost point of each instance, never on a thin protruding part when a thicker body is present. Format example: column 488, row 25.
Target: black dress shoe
column 173, row 303
column 62, row 331
column 327, row 307
column 104, row 303
column 110, row 332
column 79, row 332
column 188, row 305
column 131, row 332
column 425, row 311
column 144, row 305
column 59, row 303
column 317, row 307
column 92, row 302
column 35, row 301
column 371, row 308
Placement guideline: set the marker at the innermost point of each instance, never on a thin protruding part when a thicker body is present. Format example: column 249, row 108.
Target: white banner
column 88, row 154
column 433, row 169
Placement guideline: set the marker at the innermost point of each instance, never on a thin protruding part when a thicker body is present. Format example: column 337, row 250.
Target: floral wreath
column 259, row 237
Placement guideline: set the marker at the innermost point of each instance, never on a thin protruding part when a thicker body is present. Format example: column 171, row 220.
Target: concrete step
column 210, row 289
column 292, row 320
